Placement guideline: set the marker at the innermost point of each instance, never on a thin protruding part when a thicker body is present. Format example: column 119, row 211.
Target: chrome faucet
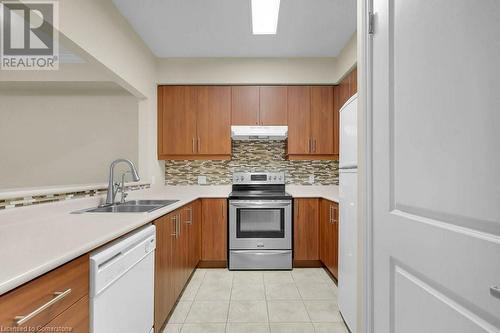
column 113, row 188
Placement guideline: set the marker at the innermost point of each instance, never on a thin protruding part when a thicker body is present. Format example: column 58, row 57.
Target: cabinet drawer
column 74, row 320
column 46, row 297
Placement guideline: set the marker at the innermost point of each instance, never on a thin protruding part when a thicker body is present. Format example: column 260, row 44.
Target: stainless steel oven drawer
column 260, row 259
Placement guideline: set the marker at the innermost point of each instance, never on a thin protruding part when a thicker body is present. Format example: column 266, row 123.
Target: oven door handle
column 260, row 204
column 263, row 253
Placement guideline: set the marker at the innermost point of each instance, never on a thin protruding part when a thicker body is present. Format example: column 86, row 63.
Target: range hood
column 259, row 132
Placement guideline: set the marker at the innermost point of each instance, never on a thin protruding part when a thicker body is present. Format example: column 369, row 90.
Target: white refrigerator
column 348, row 229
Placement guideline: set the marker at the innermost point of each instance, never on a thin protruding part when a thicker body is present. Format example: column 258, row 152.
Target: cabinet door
column 164, row 269
column 75, row 317
column 299, row 136
column 306, row 229
column 176, row 120
column 214, row 120
column 244, row 105
column 180, row 254
column 322, row 120
column 325, row 231
column 334, row 268
column 353, row 82
column 193, row 221
column 214, row 230
column 336, row 119
column 273, row 106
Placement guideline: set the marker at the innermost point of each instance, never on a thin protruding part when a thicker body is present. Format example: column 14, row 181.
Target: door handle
column 314, row 145
column 199, row 145
column 495, row 291
column 310, row 145
column 178, row 219
column 193, row 146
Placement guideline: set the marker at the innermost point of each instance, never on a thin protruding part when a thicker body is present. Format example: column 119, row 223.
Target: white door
column 436, row 166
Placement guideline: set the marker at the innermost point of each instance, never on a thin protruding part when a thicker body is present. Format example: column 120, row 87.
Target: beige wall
column 347, row 58
column 245, row 70
column 95, row 31
column 64, row 139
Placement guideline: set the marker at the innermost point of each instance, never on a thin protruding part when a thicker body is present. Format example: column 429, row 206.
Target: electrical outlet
column 311, row 179
column 202, row 180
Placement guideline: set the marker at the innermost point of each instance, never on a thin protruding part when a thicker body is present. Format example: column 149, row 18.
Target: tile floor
column 217, row 300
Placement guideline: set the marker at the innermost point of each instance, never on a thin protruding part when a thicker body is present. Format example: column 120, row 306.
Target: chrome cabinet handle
column 193, row 146
column 59, row 296
column 199, row 145
column 178, row 219
column 335, row 219
column 314, row 145
column 174, row 220
column 190, row 209
column 495, row 291
column 310, row 145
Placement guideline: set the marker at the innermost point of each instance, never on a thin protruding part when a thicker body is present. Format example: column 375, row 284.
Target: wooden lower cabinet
column 178, row 252
column 328, row 231
column 306, row 230
column 76, row 317
column 71, row 310
column 214, row 230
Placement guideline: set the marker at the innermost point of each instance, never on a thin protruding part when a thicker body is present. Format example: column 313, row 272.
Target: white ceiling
column 222, row 28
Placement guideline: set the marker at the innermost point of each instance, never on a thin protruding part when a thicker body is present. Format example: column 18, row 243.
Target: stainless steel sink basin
column 149, row 202
column 133, row 206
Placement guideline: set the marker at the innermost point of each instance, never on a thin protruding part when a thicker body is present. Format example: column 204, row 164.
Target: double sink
column 133, row 206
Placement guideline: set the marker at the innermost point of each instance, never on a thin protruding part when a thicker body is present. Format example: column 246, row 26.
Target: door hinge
column 371, row 23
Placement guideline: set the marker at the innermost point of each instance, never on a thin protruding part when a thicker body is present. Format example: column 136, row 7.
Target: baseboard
column 307, row 264
column 212, row 264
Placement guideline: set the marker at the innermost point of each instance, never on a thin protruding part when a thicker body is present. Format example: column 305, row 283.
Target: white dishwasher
column 122, row 284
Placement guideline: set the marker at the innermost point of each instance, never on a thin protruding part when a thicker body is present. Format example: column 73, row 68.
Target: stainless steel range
column 260, row 222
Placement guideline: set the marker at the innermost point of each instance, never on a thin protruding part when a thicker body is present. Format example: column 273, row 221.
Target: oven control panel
column 259, row 178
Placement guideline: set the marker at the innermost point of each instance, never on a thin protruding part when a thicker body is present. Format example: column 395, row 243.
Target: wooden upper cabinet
column 322, row 120
column 299, row 117
column 214, row 120
column 273, row 106
column 176, row 120
column 194, row 122
column 353, row 82
column 336, row 120
column 244, row 105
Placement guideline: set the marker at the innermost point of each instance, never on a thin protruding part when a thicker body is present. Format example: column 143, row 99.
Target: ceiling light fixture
column 265, row 16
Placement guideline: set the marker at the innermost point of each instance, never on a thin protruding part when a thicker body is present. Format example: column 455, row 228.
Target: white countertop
column 36, row 239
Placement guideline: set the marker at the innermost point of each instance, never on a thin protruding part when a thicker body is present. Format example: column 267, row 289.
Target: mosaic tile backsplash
column 42, row 199
column 252, row 156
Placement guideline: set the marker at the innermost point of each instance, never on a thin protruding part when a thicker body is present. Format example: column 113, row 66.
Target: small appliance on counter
column 260, row 222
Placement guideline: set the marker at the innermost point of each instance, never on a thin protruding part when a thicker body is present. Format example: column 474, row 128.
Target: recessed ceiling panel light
column 265, row 16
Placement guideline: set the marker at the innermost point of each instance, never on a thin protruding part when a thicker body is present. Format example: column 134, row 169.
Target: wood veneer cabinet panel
column 73, row 276
column 75, row 317
column 273, row 106
column 177, row 113
column 336, row 119
column 164, row 269
column 329, row 235
column 214, row 230
column 244, row 105
column 214, row 120
column 322, row 120
column 299, row 120
column 306, row 229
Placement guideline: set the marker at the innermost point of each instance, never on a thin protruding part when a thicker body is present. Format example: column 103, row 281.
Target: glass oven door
column 260, row 224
